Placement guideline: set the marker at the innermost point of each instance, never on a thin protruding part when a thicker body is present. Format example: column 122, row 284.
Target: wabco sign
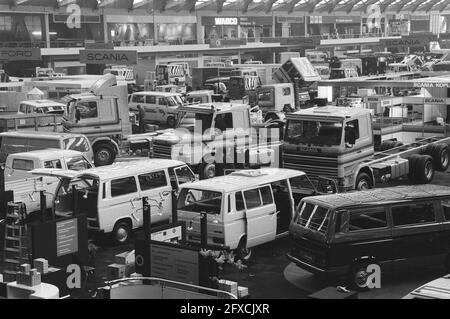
column 108, row 57
column 20, row 54
column 226, row 21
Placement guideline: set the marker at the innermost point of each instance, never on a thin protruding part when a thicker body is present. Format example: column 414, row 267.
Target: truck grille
column 162, row 151
column 313, row 166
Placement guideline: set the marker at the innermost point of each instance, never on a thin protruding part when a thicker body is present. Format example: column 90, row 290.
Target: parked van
column 244, row 209
column 23, row 141
column 111, row 196
column 436, row 289
column 396, row 228
column 26, row 187
column 41, row 107
column 160, row 107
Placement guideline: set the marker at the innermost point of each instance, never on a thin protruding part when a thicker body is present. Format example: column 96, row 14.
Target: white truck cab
column 111, row 196
column 244, row 209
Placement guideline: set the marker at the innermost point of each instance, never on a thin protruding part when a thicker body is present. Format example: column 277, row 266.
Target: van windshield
column 200, row 201
column 313, row 217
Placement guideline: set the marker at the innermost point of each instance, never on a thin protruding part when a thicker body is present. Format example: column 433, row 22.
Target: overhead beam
column 245, row 5
column 219, row 4
column 385, row 4
column 269, row 5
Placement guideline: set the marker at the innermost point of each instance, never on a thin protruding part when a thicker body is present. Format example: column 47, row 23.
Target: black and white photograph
column 225, row 154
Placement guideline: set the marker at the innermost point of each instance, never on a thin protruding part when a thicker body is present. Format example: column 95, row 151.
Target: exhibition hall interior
column 225, row 150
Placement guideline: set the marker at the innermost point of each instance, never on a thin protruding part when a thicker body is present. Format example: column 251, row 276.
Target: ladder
column 16, row 251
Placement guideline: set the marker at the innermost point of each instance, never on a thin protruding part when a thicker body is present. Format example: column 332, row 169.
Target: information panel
column 66, row 237
column 174, row 264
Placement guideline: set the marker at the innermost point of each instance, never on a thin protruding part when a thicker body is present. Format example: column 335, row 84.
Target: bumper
column 313, row 269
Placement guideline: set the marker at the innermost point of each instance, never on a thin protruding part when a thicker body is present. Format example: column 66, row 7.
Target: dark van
column 340, row 235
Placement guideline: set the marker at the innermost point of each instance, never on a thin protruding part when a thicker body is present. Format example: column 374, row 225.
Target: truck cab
column 330, row 142
column 102, row 115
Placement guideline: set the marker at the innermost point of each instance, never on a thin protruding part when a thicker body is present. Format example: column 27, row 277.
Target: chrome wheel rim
column 121, row 235
column 429, row 170
column 363, row 185
column 103, row 156
column 210, row 171
column 444, row 158
column 361, row 278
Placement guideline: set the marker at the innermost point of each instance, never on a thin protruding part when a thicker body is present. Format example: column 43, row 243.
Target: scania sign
column 115, row 57
column 20, row 54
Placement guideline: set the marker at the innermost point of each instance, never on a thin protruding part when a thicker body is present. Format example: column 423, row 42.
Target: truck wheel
column 171, row 122
column 207, row 171
column 104, row 155
column 424, row 169
column 363, row 182
column 357, row 277
column 412, row 167
column 441, row 156
column 121, row 233
column 387, row 145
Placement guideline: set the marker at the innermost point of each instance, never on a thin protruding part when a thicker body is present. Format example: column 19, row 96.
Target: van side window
column 367, row 220
column 22, row 165
column 123, row 186
column 239, row 202
column 266, row 195
column 53, row 164
column 152, row 180
column 150, row 99
column 446, row 209
column 138, row 98
column 252, row 198
column 411, row 214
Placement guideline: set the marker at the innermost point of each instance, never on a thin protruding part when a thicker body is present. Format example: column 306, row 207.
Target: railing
column 167, row 284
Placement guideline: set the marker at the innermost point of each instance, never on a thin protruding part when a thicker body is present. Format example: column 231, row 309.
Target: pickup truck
column 26, row 187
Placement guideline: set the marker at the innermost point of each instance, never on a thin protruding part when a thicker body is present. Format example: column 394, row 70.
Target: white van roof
column 437, row 289
column 157, row 93
column 117, row 170
column 42, row 103
column 244, row 179
column 48, row 154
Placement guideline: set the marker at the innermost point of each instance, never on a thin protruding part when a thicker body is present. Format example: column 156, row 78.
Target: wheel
column 121, row 233
column 207, row 171
column 424, row 169
column 357, row 277
column 441, row 157
column 104, row 155
column 171, row 122
column 387, row 145
column 243, row 252
column 412, row 168
column 363, row 182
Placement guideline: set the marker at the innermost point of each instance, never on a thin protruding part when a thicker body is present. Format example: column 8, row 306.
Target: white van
column 436, row 289
column 111, row 196
column 26, row 187
column 244, row 209
column 41, row 107
column 160, row 107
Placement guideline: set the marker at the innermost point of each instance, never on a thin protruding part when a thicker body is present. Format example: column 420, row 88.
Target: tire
column 171, row 122
column 447, row 264
column 441, row 157
column 104, row 155
column 412, row 168
column 121, row 233
column 207, row 171
column 424, row 169
column 357, row 277
column 363, row 182
column 242, row 251
column 387, row 145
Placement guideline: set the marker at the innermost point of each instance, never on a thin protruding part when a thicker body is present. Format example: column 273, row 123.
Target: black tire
column 447, row 264
column 243, row 253
column 412, row 168
column 357, row 277
column 104, row 155
column 121, row 233
column 207, row 171
column 363, row 182
column 441, row 157
column 387, row 145
column 424, row 169
column 171, row 122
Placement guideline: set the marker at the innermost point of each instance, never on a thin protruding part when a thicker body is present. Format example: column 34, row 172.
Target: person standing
column 141, row 119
